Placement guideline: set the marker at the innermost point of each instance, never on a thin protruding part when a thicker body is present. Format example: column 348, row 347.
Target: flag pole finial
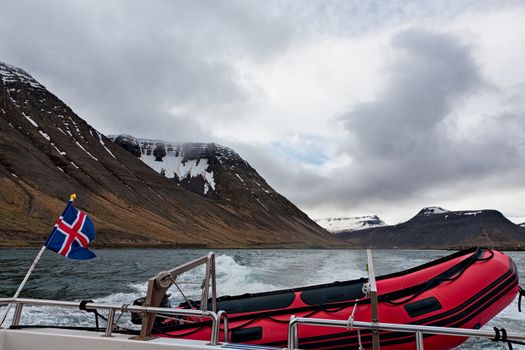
column 73, row 196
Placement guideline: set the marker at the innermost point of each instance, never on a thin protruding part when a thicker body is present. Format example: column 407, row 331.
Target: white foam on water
column 234, row 279
column 57, row 316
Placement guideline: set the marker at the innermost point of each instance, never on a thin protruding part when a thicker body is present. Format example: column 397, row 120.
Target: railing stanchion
column 109, row 326
column 222, row 314
column 419, row 341
column 18, row 314
column 292, row 333
column 373, row 296
column 214, row 328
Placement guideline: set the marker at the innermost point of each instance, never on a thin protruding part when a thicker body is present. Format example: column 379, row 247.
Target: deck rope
column 501, row 335
column 521, row 292
column 350, row 325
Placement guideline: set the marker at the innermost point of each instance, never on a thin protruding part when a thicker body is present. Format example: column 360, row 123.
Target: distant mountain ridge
column 48, row 152
column 437, row 228
column 351, row 223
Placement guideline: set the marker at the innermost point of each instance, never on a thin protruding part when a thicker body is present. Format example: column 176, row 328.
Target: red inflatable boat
column 463, row 290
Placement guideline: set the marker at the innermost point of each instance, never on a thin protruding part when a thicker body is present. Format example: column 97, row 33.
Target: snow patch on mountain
column 518, row 220
column 174, row 160
column 472, row 212
column 340, row 224
column 432, row 211
column 85, row 150
column 44, row 135
column 59, row 151
column 12, row 74
column 173, row 165
column 28, row 117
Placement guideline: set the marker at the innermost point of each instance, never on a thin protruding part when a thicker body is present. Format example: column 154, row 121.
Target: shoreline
column 268, row 246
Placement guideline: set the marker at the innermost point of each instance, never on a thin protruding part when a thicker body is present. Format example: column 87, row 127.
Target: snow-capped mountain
column 48, row 152
column 210, row 170
column 184, row 162
column 352, row 223
column 438, row 228
column 518, row 220
column 432, row 211
column 195, row 166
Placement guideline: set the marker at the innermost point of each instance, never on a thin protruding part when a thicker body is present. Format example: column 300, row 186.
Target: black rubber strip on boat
column 246, row 334
column 423, row 306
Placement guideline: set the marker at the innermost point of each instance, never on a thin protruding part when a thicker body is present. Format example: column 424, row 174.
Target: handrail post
column 373, row 296
column 214, row 328
column 206, row 285
column 221, row 314
column 292, row 333
column 213, row 282
column 109, row 326
column 18, row 314
column 419, row 341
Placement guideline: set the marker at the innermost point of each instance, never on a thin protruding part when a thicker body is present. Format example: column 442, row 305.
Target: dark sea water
column 119, row 276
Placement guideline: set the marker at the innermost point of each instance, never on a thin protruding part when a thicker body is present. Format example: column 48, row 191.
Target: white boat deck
column 63, row 339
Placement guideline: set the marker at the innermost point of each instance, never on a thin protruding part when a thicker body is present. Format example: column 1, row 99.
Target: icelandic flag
column 72, row 233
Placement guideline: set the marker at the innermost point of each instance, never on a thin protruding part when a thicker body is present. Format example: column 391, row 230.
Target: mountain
column 437, row 228
column 48, row 152
column 208, row 169
column 212, row 171
column 353, row 223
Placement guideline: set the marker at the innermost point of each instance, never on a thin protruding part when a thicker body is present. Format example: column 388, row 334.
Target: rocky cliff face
column 438, row 228
column 48, row 152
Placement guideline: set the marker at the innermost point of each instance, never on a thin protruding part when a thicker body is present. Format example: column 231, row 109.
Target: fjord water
column 119, row 276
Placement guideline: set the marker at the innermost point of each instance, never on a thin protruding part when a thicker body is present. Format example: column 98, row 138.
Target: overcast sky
column 347, row 107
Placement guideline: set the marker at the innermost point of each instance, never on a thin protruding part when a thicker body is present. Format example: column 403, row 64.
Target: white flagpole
column 23, row 283
column 28, row 274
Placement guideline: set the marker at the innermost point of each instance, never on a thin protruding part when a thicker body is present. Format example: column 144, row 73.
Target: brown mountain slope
column 48, row 152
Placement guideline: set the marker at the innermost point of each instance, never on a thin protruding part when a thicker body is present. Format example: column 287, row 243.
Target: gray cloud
column 138, row 68
column 406, row 141
column 168, row 70
column 298, row 182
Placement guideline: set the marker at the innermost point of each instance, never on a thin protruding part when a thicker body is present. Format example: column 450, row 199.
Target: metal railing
column 159, row 285
column 373, row 297
column 111, row 308
column 222, row 314
column 379, row 326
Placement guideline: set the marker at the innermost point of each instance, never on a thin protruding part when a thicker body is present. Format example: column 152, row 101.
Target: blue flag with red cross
column 72, row 234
